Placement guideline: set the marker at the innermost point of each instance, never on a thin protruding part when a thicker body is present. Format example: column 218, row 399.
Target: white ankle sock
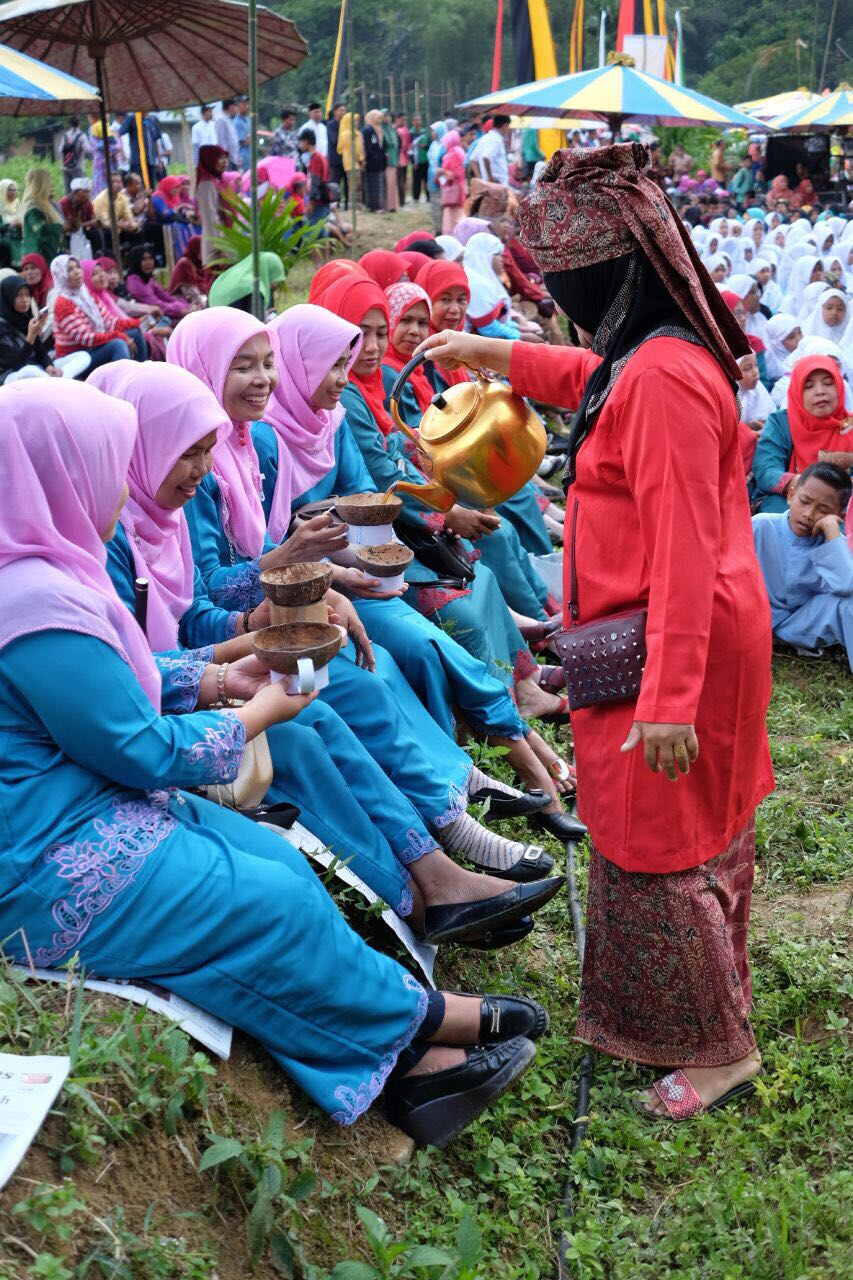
column 479, row 781
column 482, row 847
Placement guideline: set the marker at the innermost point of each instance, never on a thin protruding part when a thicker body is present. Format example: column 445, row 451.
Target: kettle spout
column 433, row 494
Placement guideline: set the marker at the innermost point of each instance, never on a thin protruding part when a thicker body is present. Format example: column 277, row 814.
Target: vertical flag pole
column 496, row 58
column 253, row 157
column 354, row 193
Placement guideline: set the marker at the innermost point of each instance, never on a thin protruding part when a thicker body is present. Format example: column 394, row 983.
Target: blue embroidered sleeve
column 101, row 718
column 238, row 587
column 181, row 672
column 204, row 623
column 229, row 585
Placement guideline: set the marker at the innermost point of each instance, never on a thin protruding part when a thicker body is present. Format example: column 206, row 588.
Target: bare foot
column 552, row 762
column 535, row 701
column 710, row 1082
column 443, row 881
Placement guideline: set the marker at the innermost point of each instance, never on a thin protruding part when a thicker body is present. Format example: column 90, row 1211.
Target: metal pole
column 417, row 97
column 392, row 101
column 253, row 157
column 108, row 169
column 353, row 173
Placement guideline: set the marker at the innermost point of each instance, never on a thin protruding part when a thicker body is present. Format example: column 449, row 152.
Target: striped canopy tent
column 833, row 113
column 615, row 94
column 24, row 79
column 778, row 104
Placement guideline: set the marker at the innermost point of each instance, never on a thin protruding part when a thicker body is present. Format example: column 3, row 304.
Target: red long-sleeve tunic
column 663, row 524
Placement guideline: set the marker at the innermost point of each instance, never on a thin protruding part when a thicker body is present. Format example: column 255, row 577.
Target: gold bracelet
column 220, row 683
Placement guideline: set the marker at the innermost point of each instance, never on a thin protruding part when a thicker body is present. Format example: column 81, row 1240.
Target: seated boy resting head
column 807, row 563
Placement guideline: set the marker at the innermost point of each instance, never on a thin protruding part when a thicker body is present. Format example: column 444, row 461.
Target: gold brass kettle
column 478, row 442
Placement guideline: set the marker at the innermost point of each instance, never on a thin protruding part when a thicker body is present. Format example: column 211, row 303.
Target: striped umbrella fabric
column 833, row 111
column 155, row 53
column 778, row 104
column 23, row 77
column 615, row 93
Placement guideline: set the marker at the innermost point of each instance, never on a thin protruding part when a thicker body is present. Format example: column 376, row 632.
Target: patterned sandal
column 682, row 1102
column 560, row 771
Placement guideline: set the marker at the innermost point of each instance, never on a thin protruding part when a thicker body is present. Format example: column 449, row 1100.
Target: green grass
column 758, row 1192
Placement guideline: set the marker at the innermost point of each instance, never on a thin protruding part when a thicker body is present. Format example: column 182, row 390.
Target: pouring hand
column 454, row 350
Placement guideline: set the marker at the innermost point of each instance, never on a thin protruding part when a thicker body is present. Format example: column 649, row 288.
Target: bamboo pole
column 352, row 180
column 253, row 157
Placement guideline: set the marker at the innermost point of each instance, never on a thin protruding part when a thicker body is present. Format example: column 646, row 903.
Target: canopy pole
column 253, row 157
column 615, row 121
column 353, row 180
column 108, row 169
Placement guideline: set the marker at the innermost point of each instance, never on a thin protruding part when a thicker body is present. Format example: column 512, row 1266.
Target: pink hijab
column 308, row 342
column 66, row 449
column 174, row 412
column 468, row 227
column 205, row 343
column 104, row 296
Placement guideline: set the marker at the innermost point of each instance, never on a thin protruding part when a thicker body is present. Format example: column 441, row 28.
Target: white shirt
column 202, row 134
column 320, row 133
column 491, row 147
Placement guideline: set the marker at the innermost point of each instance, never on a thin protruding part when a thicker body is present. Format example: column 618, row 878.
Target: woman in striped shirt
column 81, row 323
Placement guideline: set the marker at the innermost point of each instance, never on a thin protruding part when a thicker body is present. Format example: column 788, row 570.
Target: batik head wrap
column 351, row 299
column 401, row 298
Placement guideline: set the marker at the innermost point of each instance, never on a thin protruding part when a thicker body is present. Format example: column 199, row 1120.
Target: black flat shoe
column 561, row 825
column 494, row 939
column 503, row 806
column 507, row 1017
column 534, row 864
column 433, row 1108
column 459, row 921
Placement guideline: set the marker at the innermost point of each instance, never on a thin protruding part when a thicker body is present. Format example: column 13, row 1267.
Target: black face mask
column 621, row 302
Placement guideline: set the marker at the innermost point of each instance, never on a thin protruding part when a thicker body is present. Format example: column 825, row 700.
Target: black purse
column 439, row 552
column 603, row 661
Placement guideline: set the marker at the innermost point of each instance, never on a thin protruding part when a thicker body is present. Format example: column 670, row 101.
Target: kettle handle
column 397, row 390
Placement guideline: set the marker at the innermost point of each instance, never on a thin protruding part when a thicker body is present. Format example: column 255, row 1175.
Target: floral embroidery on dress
column 240, row 589
column 184, row 671
column 354, row 1102
column 458, row 803
column 416, row 846
column 428, row 600
column 219, row 752
column 231, row 626
column 99, row 869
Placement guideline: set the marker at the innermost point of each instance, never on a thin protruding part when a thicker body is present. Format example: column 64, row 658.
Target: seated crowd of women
column 192, row 474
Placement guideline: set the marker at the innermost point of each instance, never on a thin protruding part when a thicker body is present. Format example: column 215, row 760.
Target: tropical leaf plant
column 280, row 231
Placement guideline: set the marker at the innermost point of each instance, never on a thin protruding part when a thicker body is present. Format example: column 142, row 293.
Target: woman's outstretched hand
column 668, row 747
column 454, row 350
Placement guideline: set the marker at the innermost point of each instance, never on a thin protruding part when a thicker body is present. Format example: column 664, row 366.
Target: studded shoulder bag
column 603, row 660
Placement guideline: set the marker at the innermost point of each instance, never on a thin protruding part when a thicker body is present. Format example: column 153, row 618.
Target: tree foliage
column 733, row 51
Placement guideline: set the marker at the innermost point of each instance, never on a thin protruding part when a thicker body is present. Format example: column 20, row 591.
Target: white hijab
column 811, row 293
column 779, row 328
column 486, row 289
column 815, row 326
column 81, row 297
column 798, row 281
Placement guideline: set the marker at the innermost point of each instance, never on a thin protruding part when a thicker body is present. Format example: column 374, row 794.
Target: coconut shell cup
column 280, row 648
column 369, row 508
column 295, row 585
column 388, row 560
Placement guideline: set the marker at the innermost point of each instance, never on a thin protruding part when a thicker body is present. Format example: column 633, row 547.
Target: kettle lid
column 450, row 411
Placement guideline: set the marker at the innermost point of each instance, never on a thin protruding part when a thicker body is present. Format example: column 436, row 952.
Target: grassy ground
column 158, row 1163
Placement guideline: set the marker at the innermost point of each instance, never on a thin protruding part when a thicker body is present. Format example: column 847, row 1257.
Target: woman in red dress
column 657, row 496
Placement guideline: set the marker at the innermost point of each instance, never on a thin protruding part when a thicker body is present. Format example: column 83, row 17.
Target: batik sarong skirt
column 666, row 976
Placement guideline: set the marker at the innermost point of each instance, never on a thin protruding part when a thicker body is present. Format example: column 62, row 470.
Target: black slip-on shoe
column 503, row 806
column 507, row 1017
column 505, row 936
column 433, row 1108
column 534, row 864
column 561, row 825
column 459, row 921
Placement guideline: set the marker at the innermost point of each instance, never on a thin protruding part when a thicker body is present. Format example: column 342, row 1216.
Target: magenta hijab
column 205, row 343
column 66, row 449
column 174, row 412
column 309, row 341
column 103, row 296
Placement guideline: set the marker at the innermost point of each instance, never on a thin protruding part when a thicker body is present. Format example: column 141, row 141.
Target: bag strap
column 574, row 608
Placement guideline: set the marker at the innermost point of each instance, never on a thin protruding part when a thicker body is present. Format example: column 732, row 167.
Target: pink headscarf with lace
column 66, row 449
column 309, row 341
column 205, row 343
column 103, row 296
column 174, row 412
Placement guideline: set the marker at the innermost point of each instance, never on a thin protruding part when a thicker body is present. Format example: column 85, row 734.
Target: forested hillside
column 733, row 50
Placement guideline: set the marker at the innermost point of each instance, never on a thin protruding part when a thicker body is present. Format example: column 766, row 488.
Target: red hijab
column 351, row 299
column 169, row 187
column 206, row 169
column 44, row 286
column 809, row 434
column 411, row 238
column 731, row 300
column 190, row 270
column 385, row 267
column 330, row 273
column 439, row 276
column 401, row 298
column 416, row 262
